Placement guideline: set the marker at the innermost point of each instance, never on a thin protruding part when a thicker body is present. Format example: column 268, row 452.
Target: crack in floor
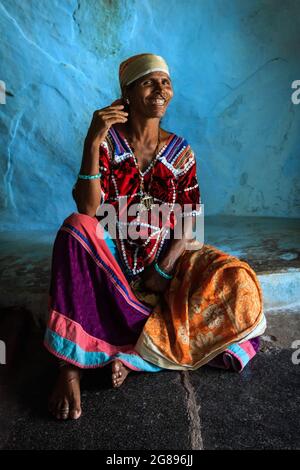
column 193, row 410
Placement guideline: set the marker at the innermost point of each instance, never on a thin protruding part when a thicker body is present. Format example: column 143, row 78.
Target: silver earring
column 127, row 100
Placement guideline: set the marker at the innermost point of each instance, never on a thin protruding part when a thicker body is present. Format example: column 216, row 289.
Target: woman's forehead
column 157, row 74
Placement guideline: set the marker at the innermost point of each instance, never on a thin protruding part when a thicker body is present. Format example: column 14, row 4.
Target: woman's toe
column 64, row 414
column 64, row 410
column 118, row 373
column 57, row 410
column 75, row 413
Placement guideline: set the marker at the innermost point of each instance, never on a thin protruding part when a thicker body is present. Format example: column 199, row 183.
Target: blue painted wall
column 232, row 62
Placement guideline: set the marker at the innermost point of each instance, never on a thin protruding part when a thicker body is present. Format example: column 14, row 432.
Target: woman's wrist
column 162, row 272
column 91, row 147
column 168, row 262
column 166, row 265
column 93, row 141
column 89, row 177
column 90, row 159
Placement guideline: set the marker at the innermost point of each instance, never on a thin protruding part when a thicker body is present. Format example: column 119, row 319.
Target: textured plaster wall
column 232, row 63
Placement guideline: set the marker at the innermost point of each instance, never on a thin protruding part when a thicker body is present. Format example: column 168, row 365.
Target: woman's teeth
column 159, row 102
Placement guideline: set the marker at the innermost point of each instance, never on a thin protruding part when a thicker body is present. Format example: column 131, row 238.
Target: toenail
column 75, row 414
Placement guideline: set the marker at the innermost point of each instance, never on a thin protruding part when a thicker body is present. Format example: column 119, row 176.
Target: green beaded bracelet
column 89, row 177
column 162, row 273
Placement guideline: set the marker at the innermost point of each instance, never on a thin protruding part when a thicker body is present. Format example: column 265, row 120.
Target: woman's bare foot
column 64, row 402
column 119, row 373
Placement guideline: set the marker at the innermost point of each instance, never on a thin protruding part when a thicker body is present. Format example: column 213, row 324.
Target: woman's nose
column 158, row 88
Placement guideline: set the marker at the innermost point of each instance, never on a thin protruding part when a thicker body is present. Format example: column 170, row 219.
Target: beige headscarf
column 139, row 65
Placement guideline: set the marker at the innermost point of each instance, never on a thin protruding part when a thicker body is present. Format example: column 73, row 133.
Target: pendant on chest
column 147, row 202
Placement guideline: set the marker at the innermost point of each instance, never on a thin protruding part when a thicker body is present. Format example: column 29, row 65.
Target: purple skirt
column 94, row 315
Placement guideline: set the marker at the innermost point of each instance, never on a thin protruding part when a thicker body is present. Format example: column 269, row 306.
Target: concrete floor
column 205, row 409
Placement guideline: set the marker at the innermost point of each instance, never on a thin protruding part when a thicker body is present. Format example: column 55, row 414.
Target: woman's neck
column 143, row 131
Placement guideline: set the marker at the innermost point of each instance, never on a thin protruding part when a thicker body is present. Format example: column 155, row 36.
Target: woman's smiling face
column 150, row 95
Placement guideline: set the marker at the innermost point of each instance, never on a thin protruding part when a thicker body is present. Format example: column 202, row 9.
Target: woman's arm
column 188, row 198
column 177, row 247
column 152, row 279
column 87, row 192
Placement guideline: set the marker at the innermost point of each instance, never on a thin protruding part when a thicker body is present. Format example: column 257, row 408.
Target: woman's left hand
column 154, row 281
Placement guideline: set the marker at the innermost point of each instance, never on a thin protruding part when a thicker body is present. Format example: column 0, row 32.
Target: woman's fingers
column 116, row 107
column 111, row 121
column 104, row 118
column 119, row 117
column 111, row 112
column 119, row 101
column 111, row 107
column 114, row 116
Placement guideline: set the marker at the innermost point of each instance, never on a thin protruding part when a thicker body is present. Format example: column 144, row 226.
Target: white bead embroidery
column 190, row 188
column 159, row 233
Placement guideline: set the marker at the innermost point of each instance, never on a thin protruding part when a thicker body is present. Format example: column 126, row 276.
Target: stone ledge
column 270, row 245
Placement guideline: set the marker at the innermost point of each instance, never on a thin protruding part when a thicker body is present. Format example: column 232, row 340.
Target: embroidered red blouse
column 144, row 236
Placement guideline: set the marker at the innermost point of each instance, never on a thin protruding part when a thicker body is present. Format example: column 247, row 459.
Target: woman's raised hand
column 104, row 118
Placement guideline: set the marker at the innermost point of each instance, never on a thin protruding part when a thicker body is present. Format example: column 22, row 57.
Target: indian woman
column 131, row 292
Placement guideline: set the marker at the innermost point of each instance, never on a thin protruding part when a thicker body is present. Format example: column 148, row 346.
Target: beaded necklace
column 146, row 199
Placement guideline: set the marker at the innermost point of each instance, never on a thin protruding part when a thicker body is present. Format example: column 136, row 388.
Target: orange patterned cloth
column 213, row 301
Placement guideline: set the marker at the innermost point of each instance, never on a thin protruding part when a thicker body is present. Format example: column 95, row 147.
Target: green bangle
column 89, row 177
column 162, row 273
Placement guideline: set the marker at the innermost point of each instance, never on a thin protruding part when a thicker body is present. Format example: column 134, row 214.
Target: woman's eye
column 149, row 82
